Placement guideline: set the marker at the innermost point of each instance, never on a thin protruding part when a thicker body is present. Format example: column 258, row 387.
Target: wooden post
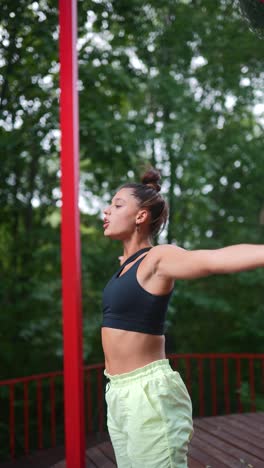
column 70, row 239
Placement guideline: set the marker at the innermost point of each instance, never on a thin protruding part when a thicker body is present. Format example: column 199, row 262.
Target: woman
column 149, row 411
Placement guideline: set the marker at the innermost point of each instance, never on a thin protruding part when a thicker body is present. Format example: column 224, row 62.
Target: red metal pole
column 70, row 238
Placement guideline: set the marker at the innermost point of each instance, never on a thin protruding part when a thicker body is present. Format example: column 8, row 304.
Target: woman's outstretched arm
column 175, row 262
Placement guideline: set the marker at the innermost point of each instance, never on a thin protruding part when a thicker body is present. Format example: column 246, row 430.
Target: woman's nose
column 106, row 210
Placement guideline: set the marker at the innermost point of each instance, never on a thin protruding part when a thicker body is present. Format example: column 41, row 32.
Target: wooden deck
column 222, row 441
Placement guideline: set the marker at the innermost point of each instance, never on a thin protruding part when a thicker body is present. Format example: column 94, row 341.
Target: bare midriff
column 125, row 350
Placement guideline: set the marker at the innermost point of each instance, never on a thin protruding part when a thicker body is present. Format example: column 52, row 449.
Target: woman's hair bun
column 151, row 177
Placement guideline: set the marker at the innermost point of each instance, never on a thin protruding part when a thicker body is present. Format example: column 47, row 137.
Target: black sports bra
column 128, row 306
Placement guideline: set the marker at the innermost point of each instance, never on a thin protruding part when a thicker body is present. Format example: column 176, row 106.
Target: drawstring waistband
column 161, row 365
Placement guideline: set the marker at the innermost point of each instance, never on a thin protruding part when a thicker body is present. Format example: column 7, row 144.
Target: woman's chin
column 112, row 235
column 108, row 233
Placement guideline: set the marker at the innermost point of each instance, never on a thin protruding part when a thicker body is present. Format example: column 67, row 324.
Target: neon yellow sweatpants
column 149, row 417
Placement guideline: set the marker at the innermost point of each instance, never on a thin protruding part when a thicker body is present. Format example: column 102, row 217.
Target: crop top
column 128, row 306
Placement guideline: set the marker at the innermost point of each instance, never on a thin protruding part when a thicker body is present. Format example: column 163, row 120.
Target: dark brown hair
column 148, row 196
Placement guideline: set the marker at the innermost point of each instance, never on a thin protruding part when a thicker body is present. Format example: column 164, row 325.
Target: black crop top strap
column 132, row 257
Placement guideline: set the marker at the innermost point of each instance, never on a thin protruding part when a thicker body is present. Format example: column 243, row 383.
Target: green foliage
column 174, row 83
column 246, row 398
column 253, row 12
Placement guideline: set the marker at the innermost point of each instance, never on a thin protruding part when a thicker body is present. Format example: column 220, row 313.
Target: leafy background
column 175, row 83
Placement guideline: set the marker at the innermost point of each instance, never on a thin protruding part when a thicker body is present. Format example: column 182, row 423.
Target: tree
column 174, row 83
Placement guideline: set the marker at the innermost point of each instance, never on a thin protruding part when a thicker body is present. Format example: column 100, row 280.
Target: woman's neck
column 133, row 248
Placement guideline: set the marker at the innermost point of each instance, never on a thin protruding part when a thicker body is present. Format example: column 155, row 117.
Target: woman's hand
column 176, row 263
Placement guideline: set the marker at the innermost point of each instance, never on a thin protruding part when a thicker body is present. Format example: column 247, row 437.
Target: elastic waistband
column 162, row 365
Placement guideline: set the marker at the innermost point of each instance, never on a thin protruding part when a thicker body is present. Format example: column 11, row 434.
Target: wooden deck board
column 198, row 455
column 215, row 427
column 110, row 453
column 192, row 463
column 100, row 457
column 234, row 441
column 241, row 428
column 216, row 445
column 255, row 423
column 224, row 450
column 212, row 452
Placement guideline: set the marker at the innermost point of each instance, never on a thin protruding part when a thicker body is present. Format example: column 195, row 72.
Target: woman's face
column 121, row 216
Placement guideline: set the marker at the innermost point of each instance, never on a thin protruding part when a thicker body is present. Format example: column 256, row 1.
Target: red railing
column 224, row 380
column 218, row 384
column 22, row 386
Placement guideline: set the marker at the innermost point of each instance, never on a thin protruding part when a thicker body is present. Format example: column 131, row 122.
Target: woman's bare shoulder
column 164, row 249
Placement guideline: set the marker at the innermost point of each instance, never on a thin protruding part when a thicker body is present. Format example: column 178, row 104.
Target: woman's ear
column 142, row 215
